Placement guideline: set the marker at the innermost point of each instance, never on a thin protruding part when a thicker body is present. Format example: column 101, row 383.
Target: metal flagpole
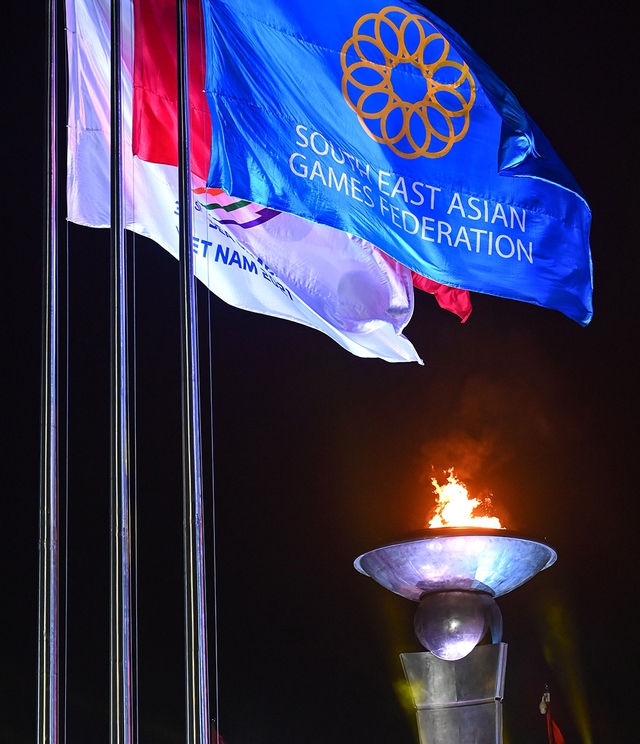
column 196, row 659
column 121, row 707
column 48, row 631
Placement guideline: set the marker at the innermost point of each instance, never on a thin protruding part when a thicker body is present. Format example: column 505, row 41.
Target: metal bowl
column 456, row 558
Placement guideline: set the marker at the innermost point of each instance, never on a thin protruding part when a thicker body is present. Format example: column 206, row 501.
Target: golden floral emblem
column 399, row 79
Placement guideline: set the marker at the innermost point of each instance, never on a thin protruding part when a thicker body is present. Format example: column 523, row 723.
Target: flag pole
column 196, row 657
column 121, row 707
column 48, row 630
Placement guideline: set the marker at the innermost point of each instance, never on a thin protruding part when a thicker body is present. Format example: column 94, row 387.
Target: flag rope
column 48, row 571
column 216, row 668
column 134, row 531
column 66, row 490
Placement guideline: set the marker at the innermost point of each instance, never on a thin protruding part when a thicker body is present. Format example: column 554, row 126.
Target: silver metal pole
column 48, row 632
column 196, row 659
column 121, row 707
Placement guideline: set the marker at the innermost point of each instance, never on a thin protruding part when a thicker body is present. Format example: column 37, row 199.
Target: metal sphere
column 451, row 623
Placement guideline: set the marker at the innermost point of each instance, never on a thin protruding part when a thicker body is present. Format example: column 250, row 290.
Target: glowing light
column 450, row 624
column 454, row 507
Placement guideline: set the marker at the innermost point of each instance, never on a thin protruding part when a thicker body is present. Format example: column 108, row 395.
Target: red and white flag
column 252, row 258
column 554, row 735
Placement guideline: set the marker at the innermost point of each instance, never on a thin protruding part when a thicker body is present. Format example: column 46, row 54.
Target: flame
column 454, row 508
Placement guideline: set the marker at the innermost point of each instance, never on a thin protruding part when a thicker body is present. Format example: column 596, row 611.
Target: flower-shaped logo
column 402, row 81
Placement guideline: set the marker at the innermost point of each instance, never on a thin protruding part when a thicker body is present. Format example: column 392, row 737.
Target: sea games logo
column 401, row 81
column 246, row 214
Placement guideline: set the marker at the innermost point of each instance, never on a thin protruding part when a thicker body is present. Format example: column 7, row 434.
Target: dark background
column 320, row 455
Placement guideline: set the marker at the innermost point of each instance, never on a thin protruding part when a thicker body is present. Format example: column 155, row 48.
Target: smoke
column 492, row 418
column 467, row 454
column 503, row 434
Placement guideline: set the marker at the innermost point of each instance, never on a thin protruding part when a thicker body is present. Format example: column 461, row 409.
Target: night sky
column 320, row 456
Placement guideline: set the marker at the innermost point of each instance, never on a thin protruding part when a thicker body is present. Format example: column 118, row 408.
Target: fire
column 454, row 508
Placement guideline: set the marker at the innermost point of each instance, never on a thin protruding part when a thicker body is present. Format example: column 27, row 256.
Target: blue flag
column 379, row 120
